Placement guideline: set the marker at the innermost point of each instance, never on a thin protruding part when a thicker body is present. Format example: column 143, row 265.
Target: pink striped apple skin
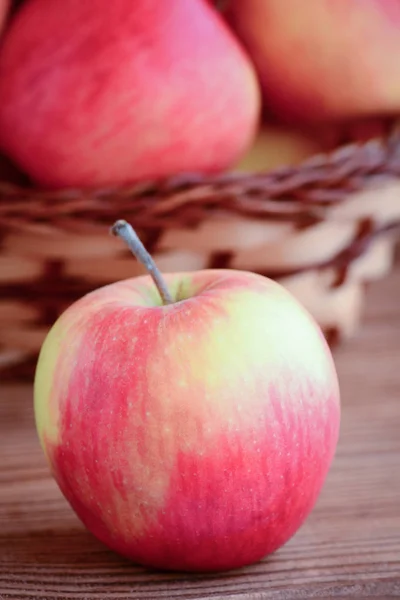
column 108, row 92
column 195, row 436
column 323, row 59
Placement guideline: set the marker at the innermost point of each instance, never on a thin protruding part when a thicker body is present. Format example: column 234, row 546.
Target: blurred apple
column 100, row 92
column 276, row 146
column 4, row 5
column 323, row 59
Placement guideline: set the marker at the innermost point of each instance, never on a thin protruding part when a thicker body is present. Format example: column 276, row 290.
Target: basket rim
column 301, row 193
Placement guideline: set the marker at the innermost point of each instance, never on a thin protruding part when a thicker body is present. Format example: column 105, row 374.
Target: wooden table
column 348, row 548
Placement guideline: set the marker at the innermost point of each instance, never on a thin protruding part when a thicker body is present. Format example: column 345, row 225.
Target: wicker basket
column 322, row 229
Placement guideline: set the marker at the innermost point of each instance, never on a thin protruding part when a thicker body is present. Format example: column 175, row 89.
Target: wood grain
column 348, row 548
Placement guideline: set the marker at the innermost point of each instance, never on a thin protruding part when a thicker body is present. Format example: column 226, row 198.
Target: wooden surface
column 348, row 548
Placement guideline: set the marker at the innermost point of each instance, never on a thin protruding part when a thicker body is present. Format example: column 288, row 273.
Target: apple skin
column 194, row 436
column 4, row 6
column 323, row 59
column 98, row 93
column 275, row 146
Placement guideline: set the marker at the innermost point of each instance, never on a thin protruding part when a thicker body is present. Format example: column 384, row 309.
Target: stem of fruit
column 126, row 232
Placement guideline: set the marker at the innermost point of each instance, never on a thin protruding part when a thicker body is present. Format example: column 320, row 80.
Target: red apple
column 98, row 93
column 323, row 59
column 195, row 434
column 4, row 5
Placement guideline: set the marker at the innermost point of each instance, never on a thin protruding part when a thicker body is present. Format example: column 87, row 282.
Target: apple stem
column 126, row 232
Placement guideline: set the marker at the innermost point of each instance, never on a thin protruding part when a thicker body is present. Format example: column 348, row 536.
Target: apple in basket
column 108, row 92
column 323, row 59
column 190, row 420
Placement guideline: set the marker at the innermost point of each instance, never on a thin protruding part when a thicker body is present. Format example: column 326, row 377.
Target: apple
column 102, row 93
column 277, row 146
column 323, row 59
column 4, row 5
column 190, row 424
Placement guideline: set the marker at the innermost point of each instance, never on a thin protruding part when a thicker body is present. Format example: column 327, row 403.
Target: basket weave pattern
column 322, row 229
